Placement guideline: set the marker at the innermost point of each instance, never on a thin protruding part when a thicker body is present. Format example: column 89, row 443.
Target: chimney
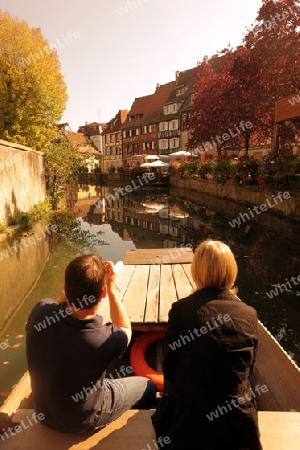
column 177, row 74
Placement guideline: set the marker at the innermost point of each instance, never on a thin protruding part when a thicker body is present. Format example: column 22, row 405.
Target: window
column 124, row 133
column 163, row 143
column 144, row 129
column 174, row 143
column 152, row 145
column 181, row 91
column 144, row 146
column 174, row 124
column 149, row 128
column 163, row 126
column 170, row 109
column 164, row 229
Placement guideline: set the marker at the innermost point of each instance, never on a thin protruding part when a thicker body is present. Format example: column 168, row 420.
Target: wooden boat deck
column 150, row 281
column 134, row 431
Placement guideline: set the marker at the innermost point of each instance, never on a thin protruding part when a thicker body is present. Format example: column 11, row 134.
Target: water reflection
column 267, row 251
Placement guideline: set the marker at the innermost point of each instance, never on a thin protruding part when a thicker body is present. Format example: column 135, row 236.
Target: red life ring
column 138, row 361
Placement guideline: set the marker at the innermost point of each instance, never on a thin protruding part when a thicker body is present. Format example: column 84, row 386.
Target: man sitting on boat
column 69, row 349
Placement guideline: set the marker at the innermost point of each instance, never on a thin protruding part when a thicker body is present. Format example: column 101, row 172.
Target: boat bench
column 134, row 431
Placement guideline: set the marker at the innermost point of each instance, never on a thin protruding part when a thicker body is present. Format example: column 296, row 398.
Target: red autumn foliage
column 242, row 85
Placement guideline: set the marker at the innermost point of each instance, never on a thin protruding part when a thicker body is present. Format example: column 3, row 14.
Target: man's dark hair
column 84, row 280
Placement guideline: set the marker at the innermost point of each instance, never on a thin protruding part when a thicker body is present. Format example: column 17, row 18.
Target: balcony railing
column 168, row 133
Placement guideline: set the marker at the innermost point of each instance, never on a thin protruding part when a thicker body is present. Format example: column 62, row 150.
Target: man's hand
column 117, row 312
column 62, row 298
column 110, row 277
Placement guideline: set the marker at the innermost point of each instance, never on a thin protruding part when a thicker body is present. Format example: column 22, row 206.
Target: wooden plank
column 187, row 269
column 168, row 293
column 182, row 282
column 20, row 391
column 134, row 431
column 279, row 431
column 134, row 299
column 278, row 372
column 159, row 256
column 151, row 313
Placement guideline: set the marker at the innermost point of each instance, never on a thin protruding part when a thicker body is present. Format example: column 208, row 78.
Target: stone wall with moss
column 22, row 181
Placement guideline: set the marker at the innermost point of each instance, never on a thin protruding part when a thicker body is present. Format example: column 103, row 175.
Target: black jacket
column 210, row 349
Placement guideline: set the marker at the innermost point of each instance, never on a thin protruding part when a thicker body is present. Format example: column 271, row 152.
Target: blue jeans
column 120, row 395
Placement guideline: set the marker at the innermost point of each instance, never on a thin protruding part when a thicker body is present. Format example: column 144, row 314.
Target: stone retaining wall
column 250, row 196
column 22, row 181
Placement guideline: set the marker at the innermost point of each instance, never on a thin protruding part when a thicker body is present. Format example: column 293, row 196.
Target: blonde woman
column 210, row 350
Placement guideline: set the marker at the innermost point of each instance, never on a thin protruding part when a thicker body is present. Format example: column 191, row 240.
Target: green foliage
column 32, row 90
column 3, row 228
column 41, row 212
column 62, row 164
column 71, row 234
column 206, row 168
column 192, row 167
column 274, row 170
column 83, row 169
column 223, row 170
column 246, row 170
column 277, row 169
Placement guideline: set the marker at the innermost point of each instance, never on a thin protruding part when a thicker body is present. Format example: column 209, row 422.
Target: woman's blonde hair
column 214, row 265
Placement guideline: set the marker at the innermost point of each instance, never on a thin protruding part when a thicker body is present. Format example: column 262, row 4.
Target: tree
column 62, row 163
column 242, row 85
column 32, row 90
column 273, row 43
column 224, row 111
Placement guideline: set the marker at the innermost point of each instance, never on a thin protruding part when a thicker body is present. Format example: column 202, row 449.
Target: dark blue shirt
column 67, row 359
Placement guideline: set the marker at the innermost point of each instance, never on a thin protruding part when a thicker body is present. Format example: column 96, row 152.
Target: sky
column 112, row 51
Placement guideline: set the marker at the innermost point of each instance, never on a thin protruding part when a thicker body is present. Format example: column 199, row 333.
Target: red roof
column 146, row 109
column 115, row 123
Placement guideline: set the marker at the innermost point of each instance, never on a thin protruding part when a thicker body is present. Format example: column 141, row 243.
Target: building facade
column 112, row 143
column 172, row 135
column 93, row 131
column 140, row 132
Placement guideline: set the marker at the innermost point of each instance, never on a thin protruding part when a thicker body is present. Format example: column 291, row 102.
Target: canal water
column 266, row 249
